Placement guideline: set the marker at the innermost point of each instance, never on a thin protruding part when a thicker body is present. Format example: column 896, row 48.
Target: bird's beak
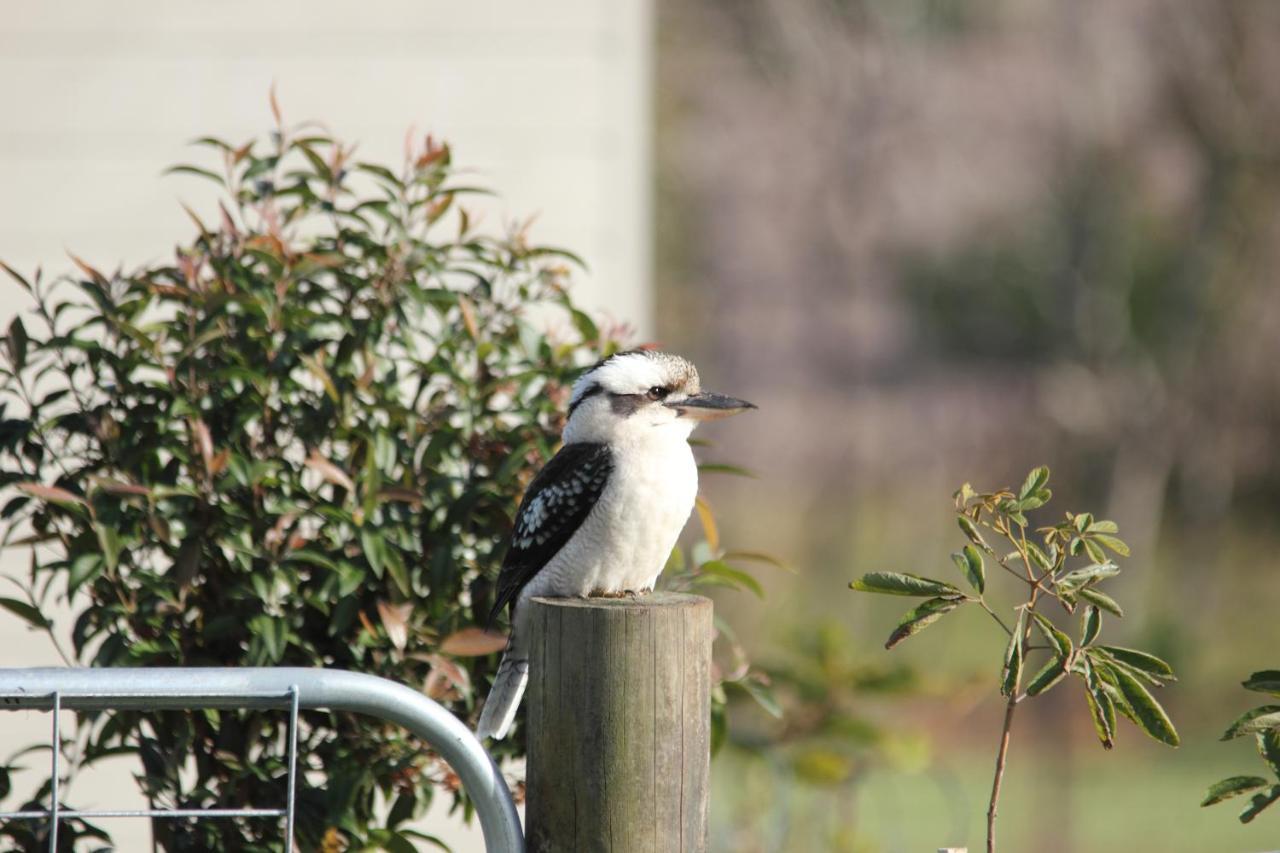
column 708, row 407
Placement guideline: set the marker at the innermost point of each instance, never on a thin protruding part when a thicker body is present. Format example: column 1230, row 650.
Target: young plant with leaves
column 300, row 443
column 1263, row 723
column 1066, row 562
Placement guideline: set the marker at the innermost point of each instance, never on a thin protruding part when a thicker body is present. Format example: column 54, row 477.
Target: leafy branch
column 1263, row 723
column 1065, row 562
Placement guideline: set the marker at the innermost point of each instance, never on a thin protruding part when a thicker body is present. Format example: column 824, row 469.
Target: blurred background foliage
column 940, row 241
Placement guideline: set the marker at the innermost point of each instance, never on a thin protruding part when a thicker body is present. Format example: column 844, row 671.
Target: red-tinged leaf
column 275, row 105
column 395, row 619
column 473, row 642
column 468, row 317
column 204, row 441
column 446, row 679
column 53, row 494
column 330, row 472
column 97, row 277
column 26, row 285
column 708, row 519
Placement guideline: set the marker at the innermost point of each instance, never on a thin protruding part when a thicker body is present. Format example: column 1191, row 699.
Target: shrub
column 300, row 443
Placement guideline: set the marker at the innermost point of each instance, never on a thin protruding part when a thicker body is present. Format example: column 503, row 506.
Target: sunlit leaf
column 1243, row 724
column 1259, row 802
column 920, row 618
column 897, row 583
column 1232, row 787
column 473, row 642
column 1148, row 714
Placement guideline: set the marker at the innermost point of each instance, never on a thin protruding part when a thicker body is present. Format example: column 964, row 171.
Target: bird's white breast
column 626, row 540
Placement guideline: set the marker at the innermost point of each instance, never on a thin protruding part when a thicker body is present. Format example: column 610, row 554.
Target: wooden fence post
column 619, row 724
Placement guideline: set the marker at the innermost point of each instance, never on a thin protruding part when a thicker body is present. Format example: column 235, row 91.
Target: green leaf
column 1078, row 578
column 1052, row 672
column 759, row 557
column 1233, row 786
column 722, row 468
column 1148, row 714
column 922, row 617
column 736, row 577
column 84, row 568
column 1011, row 672
column 1142, row 661
column 1260, row 802
column 1101, row 599
column 375, row 550
column 974, row 568
column 184, row 169
column 762, row 694
column 17, row 342
column 25, row 612
column 1091, row 624
column 1238, row 726
column 895, row 583
column 1116, row 545
column 971, row 530
column 1102, row 527
column 1036, row 480
column 1039, row 557
column 1102, row 712
column 1269, row 748
column 1266, row 681
column 109, row 541
column 1058, row 639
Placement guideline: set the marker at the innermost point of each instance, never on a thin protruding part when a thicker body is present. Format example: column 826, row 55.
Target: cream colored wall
column 546, row 101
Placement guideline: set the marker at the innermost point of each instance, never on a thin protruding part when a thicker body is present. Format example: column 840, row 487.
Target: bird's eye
column 657, row 392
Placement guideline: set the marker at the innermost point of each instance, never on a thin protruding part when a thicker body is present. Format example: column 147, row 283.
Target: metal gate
column 284, row 688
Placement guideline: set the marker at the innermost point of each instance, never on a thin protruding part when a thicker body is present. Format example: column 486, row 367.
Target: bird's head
column 634, row 393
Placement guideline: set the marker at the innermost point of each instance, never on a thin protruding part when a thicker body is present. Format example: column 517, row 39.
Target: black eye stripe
column 590, row 392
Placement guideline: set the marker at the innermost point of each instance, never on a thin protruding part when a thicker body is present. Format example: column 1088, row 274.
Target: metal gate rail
column 170, row 688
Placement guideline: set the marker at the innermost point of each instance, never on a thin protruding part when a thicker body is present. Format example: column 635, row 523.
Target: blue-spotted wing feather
column 558, row 500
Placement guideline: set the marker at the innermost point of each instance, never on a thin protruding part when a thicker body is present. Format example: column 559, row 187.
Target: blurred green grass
column 1146, row 801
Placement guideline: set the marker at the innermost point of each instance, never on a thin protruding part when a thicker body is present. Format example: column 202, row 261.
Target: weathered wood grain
column 619, row 724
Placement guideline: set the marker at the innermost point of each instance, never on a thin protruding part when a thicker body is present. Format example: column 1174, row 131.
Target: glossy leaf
column 920, row 618
column 1244, row 724
column 1091, row 625
column 1233, row 786
column 1011, row 672
column 896, row 583
column 1057, row 638
column 1147, row 713
column 1266, row 681
column 1052, row 672
column 1102, row 600
column 1141, row 661
column 1259, row 802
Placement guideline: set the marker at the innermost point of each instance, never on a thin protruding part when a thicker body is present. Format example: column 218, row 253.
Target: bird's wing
column 558, row 500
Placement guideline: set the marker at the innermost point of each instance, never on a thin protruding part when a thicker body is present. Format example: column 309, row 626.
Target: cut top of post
column 626, row 602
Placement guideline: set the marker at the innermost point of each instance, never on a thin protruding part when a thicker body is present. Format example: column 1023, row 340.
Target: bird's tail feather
column 504, row 697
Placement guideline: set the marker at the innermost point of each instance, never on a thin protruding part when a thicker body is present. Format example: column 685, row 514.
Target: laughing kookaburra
column 603, row 515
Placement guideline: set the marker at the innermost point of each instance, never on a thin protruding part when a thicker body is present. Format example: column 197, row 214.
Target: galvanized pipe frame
column 172, row 688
